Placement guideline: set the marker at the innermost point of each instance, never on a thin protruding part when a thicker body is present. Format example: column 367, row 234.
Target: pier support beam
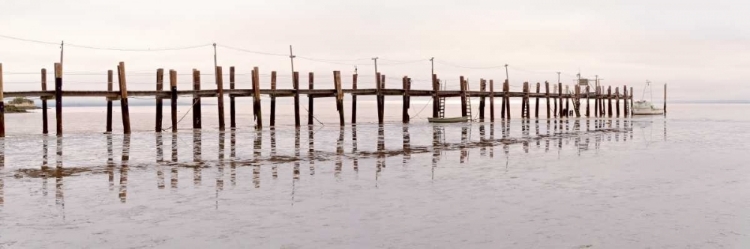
column 536, row 107
column 482, row 89
column 220, row 96
column 560, row 98
column 492, row 101
column 406, row 102
column 256, row 100
column 2, row 109
column 159, row 100
column 124, row 99
column 546, row 95
column 435, row 98
column 609, row 101
column 173, row 98
column 45, row 128
column 110, row 80
column 625, row 101
column 295, row 84
column 232, row 107
column 339, row 96
column 272, row 122
column 58, row 98
column 197, row 119
column 463, row 96
column 506, row 89
column 379, row 88
column 354, row 99
column 617, row 102
column 310, row 101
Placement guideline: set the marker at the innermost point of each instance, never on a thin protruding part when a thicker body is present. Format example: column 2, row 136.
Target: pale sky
column 701, row 48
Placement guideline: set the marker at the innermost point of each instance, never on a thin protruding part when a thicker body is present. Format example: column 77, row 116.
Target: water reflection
column 124, row 167
column 159, row 159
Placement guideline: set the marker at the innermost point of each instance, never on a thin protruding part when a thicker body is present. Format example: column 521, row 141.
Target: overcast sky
column 699, row 47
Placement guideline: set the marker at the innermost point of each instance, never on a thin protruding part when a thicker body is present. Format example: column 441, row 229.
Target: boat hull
column 448, row 120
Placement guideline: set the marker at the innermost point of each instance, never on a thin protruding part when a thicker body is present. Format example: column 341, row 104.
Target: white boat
column 643, row 107
column 448, row 120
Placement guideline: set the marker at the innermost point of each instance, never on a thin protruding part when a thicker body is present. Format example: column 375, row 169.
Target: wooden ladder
column 468, row 103
column 441, row 110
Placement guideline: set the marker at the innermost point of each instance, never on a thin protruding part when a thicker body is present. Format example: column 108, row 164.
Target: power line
column 459, row 66
column 251, row 51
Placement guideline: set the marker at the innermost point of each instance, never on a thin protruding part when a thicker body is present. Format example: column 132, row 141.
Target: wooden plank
column 232, row 106
column 159, row 101
column 220, row 96
column 45, row 129
column 295, row 84
column 339, row 96
column 58, row 98
column 256, row 99
column 272, row 122
column 354, row 99
column 492, row 101
column 310, row 102
column 546, row 96
column 197, row 115
column 173, row 98
column 124, row 99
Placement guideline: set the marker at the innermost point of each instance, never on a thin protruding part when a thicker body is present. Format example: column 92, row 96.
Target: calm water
column 652, row 182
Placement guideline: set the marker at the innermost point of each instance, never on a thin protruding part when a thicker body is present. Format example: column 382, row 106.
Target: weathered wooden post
column 124, row 99
column 546, row 95
column 232, row 108
column 58, row 98
column 354, row 99
column 197, row 119
column 110, row 80
column 45, row 129
column 556, row 112
column 482, row 89
column 256, row 99
column 435, row 98
column 379, row 100
column 339, row 96
column 173, row 98
column 596, row 102
column 2, row 112
column 560, row 98
column 602, row 104
column 631, row 101
column 567, row 101
column 506, row 88
column 463, row 96
column 577, row 101
column 310, row 101
column 159, row 99
column 272, row 122
column 609, row 101
column 625, row 112
column 587, row 102
column 665, row 99
column 405, row 102
column 536, row 108
column 295, row 84
column 492, row 101
column 220, row 96
column 617, row 101
column 525, row 101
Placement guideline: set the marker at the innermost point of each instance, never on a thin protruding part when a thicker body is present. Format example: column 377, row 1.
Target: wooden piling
column 272, row 122
column 232, row 108
column 295, row 84
column 2, row 108
column 596, row 101
column 197, row 115
column 463, row 96
column 560, row 98
column 506, row 88
column 256, row 99
column 339, row 96
column 159, row 100
column 435, row 98
column 406, row 100
column 173, row 98
column 492, row 101
column 525, row 101
column 220, row 96
column 587, row 102
column 45, row 129
column 110, row 79
column 354, row 99
column 536, row 107
column 631, row 101
column 617, row 102
column 665, row 99
column 577, row 101
column 482, row 89
column 625, row 112
column 124, row 99
column 58, row 98
column 609, row 101
column 378, row 90
column 310, row 101
column 546, row 95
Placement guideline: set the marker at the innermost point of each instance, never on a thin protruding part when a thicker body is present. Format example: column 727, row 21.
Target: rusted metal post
column 197, row 119
column 124, row 99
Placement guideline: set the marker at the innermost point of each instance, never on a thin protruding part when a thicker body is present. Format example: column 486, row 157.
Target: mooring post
column 379, row 101
column 220, row 96
column 405, row 101
column 506, row 89
column 339, row 96
column 492, row 101
column 173, row 98
column 560, row 97
column 665, row 99
column 232, row 107
column 45, row 129
column 536, row 111
column 463, row 96
column 609, row 101
column 631, row 101
column 256, row 99
column 159, row 99
column 295, row 85
column 617, row 101
column 546, row 96
column 596, row 101
column 310, row 101
column 554, row 101
column 124, row 99
column 577, row 101
column 482, row 89
column 625, row 101
column 197, row 115
column 435, row 98
column 602, row 104
column 272, row 122
column 587, row 101
column 567, row 101
column 2, row 107
column 110, row 80
column 525, row 101
column 354, row 99
column 58, row 98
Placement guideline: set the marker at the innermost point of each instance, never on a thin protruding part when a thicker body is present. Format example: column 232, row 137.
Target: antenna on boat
column 648, row 84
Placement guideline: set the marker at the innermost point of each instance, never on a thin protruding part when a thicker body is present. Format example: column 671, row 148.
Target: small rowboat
column 448, row 120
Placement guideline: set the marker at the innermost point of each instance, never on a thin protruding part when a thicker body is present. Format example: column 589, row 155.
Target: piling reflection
column 233, row 155
column 197, row 156
column 124, row 167
column 339, row 153
column 311, row 148
column 219, row 163
column 159, row 160
column 2, row 168
column 59, row 194
column 355, row 160
column 406, row 144
column 380, row 164
column 274, row 167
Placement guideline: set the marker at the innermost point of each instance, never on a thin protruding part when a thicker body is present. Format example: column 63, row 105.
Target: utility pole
column 291, row 58
column 558, row 77
column 62, row 47
column 376, row 64
column 215, row 62
column 506, row 74
column 432, row 66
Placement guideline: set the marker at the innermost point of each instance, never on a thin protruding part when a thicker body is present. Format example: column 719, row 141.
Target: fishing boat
column 644, row 107
column 448, row 120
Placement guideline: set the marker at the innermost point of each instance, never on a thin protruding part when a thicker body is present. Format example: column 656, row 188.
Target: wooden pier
column 605, row 105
